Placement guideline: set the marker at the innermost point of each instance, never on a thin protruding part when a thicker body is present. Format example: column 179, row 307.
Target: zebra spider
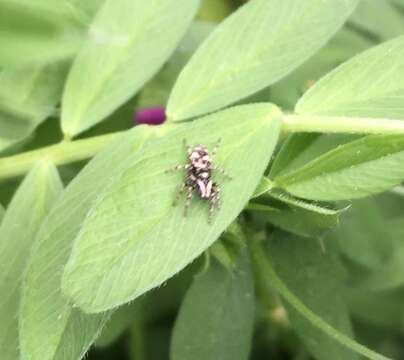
column 198, row 177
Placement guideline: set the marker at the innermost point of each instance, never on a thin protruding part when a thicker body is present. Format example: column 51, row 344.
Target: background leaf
column 367, row 18
column 27, row 210
column 341, row 47
column 27, row 97
column 127, row 43
column 369, row 85
column 253, row 48
column 1, row 213
column 50, row 328
column 358, row 169
column 36, row 32
column 155, row 239
column 221, row 303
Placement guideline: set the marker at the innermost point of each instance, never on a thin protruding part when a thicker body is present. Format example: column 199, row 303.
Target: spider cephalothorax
column 199, row 177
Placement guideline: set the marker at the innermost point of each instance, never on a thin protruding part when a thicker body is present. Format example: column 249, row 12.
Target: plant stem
column 63, row 153
column 70, row 151
column 340, row 124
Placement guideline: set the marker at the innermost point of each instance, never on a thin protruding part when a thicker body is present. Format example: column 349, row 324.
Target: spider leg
column 177, row 167
column 189, row 200
column 222, row 171
column 214, row 203
column 188, row 147
column 179, row 193
column 216, row 147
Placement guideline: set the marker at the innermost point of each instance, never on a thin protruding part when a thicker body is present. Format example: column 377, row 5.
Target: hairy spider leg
column 188, row 147
column 189, row 200
column 216, row 147
column 222, row 171
column 178, row 167
column 214, row 202
column 179, row 193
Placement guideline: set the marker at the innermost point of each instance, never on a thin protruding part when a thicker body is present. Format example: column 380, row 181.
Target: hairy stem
column 63, row 153
column 70, row 151
column 340, row 124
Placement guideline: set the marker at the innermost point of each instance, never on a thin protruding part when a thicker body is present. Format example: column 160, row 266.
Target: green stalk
column 341, row 124
column 63, row 153
column 70, row 151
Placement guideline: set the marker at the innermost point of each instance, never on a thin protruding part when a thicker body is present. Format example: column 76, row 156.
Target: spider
column 198, row 177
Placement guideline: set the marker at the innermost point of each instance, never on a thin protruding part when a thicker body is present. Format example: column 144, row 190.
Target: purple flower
column 151, row 116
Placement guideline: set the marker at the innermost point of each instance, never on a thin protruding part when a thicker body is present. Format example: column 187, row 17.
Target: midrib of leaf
column 306, row 173
column 119, row 60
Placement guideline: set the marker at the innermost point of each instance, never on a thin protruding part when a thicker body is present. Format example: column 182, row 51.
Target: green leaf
column 127, row 239
column 367, row 18
column 358, row 169
column 299, row 149
column 1, row 213
column 50, row 328
column 369, row 85
column 27, row 210
column 219, row 307
column 157, row 90
column 345, row 44
column 253, row 48
column 295, row 215
column 379, row 309
column 33, row 32
column 127, row 43
column 390, row 274
column 27, row 97
column 311, row 326
column 360, row 232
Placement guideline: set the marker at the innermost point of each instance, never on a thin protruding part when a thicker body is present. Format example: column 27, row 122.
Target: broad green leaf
column 157, row 90
column 1, row 213
column 33, row 32
column 253, row 48
column 299, row 149
column 345, row 44
column 119, row 322
column 367, row 17
column 219, row 308
column 127, row 239
column 377, row 308
column 369, row 85
column 50, row 328
column 390, row 274
column 87, row 9
column 127, row 43
column 358, row 169
column 24, row 215
column 311, row 327
column 27, row 97
column 295, row 215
